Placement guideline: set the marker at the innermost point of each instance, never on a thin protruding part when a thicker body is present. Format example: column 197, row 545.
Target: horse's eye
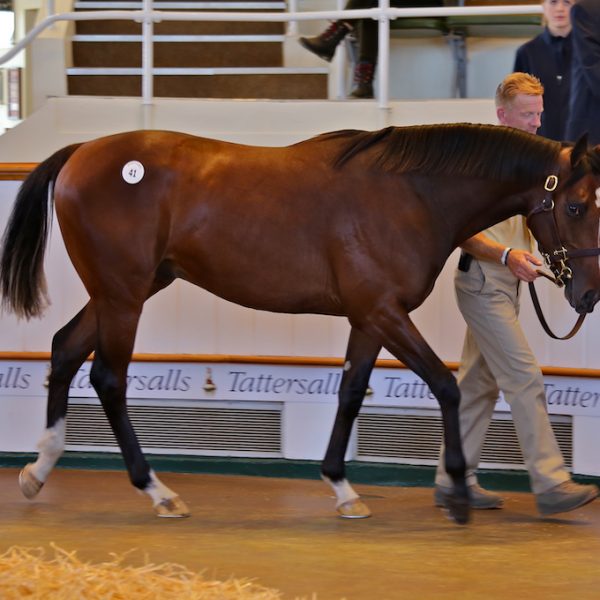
column 574, row 210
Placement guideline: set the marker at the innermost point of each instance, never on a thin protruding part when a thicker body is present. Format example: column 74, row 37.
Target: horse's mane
column 487, row 151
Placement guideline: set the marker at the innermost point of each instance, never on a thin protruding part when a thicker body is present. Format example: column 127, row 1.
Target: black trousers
column 366, row 29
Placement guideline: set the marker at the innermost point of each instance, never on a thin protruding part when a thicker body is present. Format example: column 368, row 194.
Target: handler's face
column 524, row 113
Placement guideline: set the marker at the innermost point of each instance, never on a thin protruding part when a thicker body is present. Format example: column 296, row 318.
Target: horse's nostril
column 589, row 300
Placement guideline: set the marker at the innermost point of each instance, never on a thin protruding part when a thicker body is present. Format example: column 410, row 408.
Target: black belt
column 464, row 262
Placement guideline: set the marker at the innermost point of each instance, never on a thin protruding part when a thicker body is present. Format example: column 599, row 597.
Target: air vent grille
column 230, row 431
column 416, row 438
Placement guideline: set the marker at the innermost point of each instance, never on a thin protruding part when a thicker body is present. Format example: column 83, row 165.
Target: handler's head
column 519, row 102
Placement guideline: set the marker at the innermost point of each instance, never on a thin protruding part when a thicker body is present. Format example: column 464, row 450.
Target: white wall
column 188, row 320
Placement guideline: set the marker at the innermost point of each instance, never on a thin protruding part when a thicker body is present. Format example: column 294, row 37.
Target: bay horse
column 348, row 223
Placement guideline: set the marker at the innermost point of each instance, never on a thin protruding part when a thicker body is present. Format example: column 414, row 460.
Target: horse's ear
column 595, row 159
column 579, row 150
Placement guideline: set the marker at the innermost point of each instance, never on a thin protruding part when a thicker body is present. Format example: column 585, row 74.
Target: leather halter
column 556, row 260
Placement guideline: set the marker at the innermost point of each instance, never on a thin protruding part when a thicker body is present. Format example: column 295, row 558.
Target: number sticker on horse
column 133, row 172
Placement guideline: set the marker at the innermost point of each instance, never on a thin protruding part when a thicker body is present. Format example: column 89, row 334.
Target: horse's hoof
column 354, row 509
column 29, row 484
column 172, row 507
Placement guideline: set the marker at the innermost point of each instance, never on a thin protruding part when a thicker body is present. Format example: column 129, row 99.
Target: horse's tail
column 22, row 280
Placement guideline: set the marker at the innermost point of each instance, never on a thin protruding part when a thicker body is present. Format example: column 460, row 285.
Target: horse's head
column 566, row 224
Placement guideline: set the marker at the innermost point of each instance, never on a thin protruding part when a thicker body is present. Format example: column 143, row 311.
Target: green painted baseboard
column 358, row 472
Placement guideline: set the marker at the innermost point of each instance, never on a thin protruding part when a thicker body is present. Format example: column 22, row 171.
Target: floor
column 284, row 534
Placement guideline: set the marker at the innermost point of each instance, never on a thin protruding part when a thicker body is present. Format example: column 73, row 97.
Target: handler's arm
column 520, row 262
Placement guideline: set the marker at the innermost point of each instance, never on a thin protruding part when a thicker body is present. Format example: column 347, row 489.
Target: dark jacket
column 584, row 114
column 549, row 59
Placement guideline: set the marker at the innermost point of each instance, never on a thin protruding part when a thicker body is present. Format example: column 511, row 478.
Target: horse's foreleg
column 360, row 357
column 70, row 347
column 399, row 335
column 116, row 333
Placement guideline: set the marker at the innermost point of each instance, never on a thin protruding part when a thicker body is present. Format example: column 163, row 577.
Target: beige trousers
column 496, row 356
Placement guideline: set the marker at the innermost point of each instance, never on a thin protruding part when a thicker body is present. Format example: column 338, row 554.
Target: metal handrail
column 148, row 17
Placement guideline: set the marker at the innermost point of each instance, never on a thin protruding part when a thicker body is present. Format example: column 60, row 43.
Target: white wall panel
column 313, row 332
column 273, row 334
column 197, row 313
column 306, row 428
column 188, row 320
column 235, row 329
column 586, row 445
column 22, row 423
column 161, row 323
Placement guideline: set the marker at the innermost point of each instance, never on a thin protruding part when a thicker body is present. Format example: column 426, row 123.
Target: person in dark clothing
column 367, row 34
column 548, row 57
column 585, row 78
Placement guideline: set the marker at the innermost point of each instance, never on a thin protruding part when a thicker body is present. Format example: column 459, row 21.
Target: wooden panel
column 15, row 171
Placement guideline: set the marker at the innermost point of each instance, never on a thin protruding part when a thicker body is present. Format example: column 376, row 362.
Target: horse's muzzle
column 586, row 303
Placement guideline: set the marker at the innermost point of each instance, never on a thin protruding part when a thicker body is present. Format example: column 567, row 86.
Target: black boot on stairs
column 364, row 72
column 324, row 45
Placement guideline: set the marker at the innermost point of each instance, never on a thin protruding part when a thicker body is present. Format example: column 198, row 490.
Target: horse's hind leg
column 71, row 345
column 117, row 324
column 361, row 354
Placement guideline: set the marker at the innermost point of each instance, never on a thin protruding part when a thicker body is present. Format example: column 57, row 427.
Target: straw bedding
column 32, row 574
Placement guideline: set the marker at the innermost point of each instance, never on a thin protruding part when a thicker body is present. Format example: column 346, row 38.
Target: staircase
column 192, row 59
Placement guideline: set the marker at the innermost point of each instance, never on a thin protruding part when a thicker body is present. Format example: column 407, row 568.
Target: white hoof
column 30, row 485
column 172, row 507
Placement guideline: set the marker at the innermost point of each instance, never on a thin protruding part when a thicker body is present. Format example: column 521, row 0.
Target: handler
column 496, row 355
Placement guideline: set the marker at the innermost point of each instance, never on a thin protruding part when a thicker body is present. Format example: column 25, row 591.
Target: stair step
column 178, row 38
column 284, row 86
column 180, row 28
column 179, row 54
column 177, row 5
column 98, row 71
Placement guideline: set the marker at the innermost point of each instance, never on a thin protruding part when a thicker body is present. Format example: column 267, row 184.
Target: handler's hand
column 520, row 263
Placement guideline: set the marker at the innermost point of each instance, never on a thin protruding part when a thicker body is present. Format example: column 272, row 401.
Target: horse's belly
column 267, row 289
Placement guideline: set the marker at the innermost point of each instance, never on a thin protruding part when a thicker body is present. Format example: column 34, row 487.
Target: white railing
column 148, row 17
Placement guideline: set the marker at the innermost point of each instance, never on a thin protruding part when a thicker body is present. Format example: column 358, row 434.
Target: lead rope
column 540, row 314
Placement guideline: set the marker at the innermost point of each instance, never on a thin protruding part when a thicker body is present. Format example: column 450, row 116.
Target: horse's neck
column 490, row 205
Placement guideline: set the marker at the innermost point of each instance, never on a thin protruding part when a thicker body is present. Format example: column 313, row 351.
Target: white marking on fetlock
column 342, row 489
column 165, row 501
column 157, row 490
column 51, row 447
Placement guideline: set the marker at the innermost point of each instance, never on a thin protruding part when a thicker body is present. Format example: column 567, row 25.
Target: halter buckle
column 561, row 254
column 557, row 263
column 551, row 183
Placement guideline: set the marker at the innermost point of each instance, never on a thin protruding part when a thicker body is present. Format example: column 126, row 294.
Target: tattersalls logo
column 412, row 389
column 169, row 380
column 268, row 383
column 571, row 395
column 564, row 395
column 14, row 378
column 252, row 382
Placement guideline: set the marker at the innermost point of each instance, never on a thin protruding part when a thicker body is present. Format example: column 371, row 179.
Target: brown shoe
column 479, row 498
column 565, row 497
column 324, row 45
